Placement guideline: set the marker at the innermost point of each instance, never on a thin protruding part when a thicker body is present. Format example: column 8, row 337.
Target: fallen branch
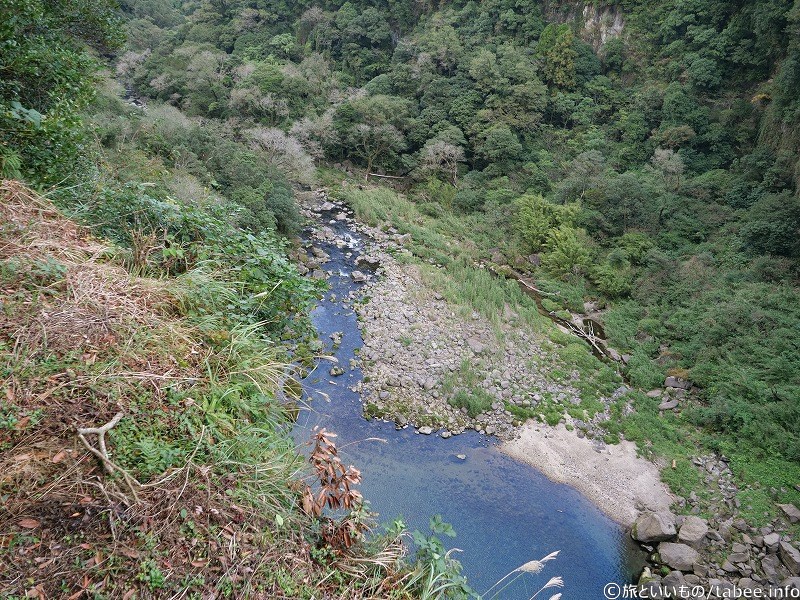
column 102, row 453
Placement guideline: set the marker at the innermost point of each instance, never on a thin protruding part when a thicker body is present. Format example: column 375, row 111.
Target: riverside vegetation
column 637, row 159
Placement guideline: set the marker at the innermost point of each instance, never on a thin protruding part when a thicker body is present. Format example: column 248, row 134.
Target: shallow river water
column 505, row 513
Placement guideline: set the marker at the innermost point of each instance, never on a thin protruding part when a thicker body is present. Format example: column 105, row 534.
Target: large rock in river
column 653, row 527
column 678, row 556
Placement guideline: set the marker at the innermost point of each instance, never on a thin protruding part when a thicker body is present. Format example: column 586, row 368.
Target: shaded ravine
column 505, row 513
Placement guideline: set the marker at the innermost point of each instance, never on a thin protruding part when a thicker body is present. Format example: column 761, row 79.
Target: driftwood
column 385, row 176
column 536, row 294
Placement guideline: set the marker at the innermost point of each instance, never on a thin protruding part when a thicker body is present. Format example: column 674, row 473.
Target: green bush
column 475, row 400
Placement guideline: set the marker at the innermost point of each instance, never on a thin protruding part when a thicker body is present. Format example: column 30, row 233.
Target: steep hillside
column 636, row 157
column 145, row 449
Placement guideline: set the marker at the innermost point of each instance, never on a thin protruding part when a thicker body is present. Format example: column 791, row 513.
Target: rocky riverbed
column 421, row 354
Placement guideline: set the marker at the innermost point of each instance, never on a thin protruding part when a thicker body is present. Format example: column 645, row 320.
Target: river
column 505, row 513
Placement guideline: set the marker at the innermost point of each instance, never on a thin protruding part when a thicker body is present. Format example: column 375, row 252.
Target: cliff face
column 596, row 24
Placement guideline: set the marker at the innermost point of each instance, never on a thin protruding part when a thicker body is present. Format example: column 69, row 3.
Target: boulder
column 653, row 527
column 425, row 430
column 677, row 382
column 693, row 532
column 772, row 541
column 677, row 556
column 668, row 404
column 790, row 556
column 791, row 584
column 358, row 276
column 771, row 565
column 791, row 512
column 656, row 393
column 369, row 261
column 674, row 583
column 476, row 345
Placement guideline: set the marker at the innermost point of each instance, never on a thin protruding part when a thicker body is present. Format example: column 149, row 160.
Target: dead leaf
column 10, row 394
column 59, row 456
column 128, row 595
column 29, row 523
column 199, row 563
column 22, row 423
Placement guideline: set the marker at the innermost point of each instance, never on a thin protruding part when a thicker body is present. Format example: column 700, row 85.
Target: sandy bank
column 615, row 479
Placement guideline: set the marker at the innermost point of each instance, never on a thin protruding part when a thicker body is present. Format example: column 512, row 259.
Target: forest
column 653, row 168
column 640, row 155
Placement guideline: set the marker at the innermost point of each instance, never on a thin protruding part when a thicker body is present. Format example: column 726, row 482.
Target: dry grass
column 81, row 340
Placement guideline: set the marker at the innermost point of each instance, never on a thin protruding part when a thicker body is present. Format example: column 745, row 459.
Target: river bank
column 493, row 501
column 618, row 481
column 422, row 353
column 436, row 362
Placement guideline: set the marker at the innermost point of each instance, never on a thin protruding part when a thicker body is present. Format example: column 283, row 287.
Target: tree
column 440, row 157
column 558, row 55
column 772, row 225
column 536, row 218
column 46, row 79
column 283, row 152
column 498, row 144
column 371, row 128
column 566, row 252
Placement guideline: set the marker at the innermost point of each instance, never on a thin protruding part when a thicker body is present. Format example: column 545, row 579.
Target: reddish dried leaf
column 59, row 456
column 29, row 523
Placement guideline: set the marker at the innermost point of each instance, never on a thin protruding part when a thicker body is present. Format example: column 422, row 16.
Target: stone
column 771, row 565
column 728, row 567
column 677, row 382
column 772, row 541
column 653, row 527
column 738, row 557
column 791, row 512
column 461, row 456
column 476, row 345
column 678, row 556
column 668, row 404
column 371, row 262
column 446, row 434
column 721, row 588
column 693, row 532
column 358, row 276
column 425, row 430
column 790, row 556
column 336, row 371
column 791, row 584
column 673, row 582
column 654, row 393
column 746, row 583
